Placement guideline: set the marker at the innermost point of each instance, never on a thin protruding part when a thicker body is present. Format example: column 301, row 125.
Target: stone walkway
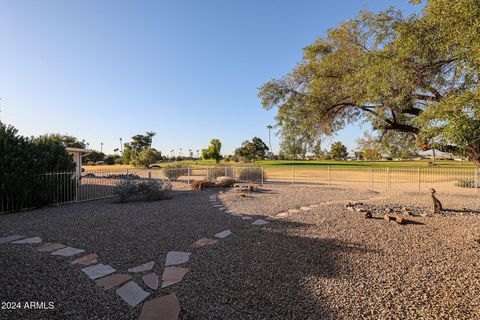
column 107, row 277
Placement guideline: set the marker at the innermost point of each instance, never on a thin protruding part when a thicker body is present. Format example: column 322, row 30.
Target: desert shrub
column 465, row 183
column 174, row 171
column 129, row 176
column 100, row 163
column 251, row 174
column 119, row 161
column 202, row 184
column 149, row 190
column 225, row 182
column 90, row 163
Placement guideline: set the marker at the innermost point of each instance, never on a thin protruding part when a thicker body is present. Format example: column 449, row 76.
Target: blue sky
column 188, row 70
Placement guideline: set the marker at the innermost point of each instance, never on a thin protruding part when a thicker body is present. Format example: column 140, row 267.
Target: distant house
column 77, row 154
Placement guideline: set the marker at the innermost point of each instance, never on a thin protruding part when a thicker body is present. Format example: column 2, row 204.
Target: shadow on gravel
column 268, row 272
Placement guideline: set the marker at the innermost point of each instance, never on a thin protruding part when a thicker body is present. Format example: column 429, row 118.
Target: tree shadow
column 270, row 271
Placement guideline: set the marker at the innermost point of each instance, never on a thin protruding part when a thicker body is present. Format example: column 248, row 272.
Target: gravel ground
column 327, row 263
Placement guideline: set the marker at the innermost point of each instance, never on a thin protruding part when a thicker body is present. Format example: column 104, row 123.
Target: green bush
column 90, row 163
column 100, row 163
column 119, row 161
column 149, row 190
column 23, row 164
column 465, row 183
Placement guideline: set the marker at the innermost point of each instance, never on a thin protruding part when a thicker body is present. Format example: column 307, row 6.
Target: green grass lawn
column 334, row 163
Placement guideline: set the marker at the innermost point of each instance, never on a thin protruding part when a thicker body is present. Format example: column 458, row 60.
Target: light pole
column 121, row 146
column 171, row 153
column 101, row 147
column 269, row 127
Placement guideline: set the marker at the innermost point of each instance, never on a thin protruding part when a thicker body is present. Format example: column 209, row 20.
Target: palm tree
column 269, row 127
column 198, row 153
column 101, row 146
column 121, row 145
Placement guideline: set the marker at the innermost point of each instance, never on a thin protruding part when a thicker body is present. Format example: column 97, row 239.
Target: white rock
column 67, row 252
column 98, row 271
column 176, row 257
column 247, row 218
column 259, row 222
column 132, row 294
column 144, row 267
column 10, row 239
column 223, row 234
column 29, row 240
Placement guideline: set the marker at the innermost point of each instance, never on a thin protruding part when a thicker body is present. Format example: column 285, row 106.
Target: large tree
column 252, row 150
column 213, row 151
column 414, row 75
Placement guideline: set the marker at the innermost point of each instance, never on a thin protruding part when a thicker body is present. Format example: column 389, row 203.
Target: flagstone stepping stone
column 132, row 293
column 144, row 267
column 223, row 234
column 98, row 271
column 221, row 209
column 10, row 239
column 162, row 308
column 113, row 280
column 259, row 222
column 271, row 218
column 67, row 252
column 172, row 275
column 176, row 257
column 203, row 243
column 151, row 280
column 247, row 218
column 49, row 247
column 87, row 260
column 305, row 208
column 218, row 205
column 29, row 241
column 293, row 210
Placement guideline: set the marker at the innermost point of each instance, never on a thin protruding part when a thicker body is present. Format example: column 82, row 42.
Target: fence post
column 418, row 179
column 388, row 179
column 262, row 174
column 226, row 171
column 188, row 174
column 293, row 175
column 233, row 172
column 476, row 179
column 149, row 175
column 77, row 187
column 329, row 176
column 370, row 185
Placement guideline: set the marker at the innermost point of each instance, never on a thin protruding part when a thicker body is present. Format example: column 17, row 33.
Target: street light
column 101, row 146
column 121, row 146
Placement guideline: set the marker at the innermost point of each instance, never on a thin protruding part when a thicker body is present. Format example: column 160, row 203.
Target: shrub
column 202, row 184
column 100, row 163
column 174, row 171
column 251, row 174
column 149, row 190
column 119, row 161
column 90, row 163
column 465, row 183
column 225, row 182
column 23, row 163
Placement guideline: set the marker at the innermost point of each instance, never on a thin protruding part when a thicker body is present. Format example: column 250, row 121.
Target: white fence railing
column 66, row 187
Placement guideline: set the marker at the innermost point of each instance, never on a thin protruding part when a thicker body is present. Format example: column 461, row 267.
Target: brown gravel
column 326, row 263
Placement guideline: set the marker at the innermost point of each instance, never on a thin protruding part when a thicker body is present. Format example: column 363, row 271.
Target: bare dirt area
column 318, row 261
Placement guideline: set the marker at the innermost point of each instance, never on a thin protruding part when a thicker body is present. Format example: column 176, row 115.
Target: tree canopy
column 213, row 151
column 415, row 75
column 252, row 150
column 338, row 151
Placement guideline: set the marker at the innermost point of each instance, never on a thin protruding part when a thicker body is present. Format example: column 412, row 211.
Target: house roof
column 79, row 150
